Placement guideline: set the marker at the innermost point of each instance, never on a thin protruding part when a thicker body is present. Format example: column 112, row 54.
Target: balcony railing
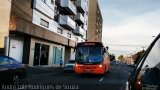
column 80, row 18
column 80, row 5
column 67, row 22
column 78, row 31
column 68, row 6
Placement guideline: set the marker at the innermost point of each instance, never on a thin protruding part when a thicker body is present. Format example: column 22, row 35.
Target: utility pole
column 143, row 48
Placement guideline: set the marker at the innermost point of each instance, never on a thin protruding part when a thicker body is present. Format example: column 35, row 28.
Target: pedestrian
column 61, row 62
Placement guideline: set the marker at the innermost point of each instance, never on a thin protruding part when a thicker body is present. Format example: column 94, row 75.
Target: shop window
column 57, row 54
column 41, row 54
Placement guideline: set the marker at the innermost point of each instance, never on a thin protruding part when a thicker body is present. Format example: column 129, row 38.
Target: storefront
column 43, row 53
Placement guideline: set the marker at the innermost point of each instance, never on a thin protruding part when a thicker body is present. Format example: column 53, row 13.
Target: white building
column 42, row 31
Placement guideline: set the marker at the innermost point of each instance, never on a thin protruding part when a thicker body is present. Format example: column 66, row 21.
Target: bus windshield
column 89, row 54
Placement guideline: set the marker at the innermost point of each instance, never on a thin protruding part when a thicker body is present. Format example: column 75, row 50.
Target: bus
column 91, row 57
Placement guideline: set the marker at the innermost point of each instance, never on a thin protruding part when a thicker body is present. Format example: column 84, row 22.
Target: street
column 115, row 79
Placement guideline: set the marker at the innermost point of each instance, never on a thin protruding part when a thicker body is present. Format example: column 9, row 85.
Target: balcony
column 80, row 6
column 68, row 6
column 78, row 31
column 67, row 22
column 42, row 7
column 80, row 18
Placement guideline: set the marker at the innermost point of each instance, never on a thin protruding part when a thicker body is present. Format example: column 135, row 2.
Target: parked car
column 69, row 66
column 11, row 71
column 146, row 75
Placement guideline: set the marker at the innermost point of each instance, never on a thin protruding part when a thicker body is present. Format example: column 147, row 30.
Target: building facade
column 40, row 32
column 95, row 22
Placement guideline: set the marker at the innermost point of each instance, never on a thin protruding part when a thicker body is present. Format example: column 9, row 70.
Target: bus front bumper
column 91, row 71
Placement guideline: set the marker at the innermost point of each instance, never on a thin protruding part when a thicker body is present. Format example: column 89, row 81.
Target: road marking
column 100, row 80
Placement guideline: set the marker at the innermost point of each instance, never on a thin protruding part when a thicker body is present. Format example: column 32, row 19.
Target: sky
column 129, row 25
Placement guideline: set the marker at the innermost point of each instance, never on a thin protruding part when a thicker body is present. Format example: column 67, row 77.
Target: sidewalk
column 35, row 71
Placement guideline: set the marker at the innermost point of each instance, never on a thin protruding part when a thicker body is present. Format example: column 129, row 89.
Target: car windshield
column 89, row 54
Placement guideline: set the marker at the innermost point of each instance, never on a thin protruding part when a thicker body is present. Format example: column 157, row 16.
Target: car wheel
column 16, row 80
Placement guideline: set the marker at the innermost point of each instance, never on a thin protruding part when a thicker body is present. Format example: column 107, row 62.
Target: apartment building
column 95, row 22
column 39, row 32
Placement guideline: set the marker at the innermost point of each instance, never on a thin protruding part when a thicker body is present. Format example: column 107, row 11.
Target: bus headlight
column 100, row 66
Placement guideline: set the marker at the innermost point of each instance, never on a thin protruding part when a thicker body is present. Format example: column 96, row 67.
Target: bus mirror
column 107, row 47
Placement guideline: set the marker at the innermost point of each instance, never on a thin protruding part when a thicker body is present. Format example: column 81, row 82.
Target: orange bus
column 91, row 57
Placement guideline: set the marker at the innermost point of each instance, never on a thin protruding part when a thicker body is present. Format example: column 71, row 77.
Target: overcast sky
column 128, row 25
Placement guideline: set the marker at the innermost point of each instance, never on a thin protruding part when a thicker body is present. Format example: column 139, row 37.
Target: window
column 52, row 2
column 41, row 54
column 12, row 61
column 4, row 61
column 68, row 35
column 77, row 39
column 55, row 9
column 56, row 15
column 97, row 30
column 86, row 12
column 83, row 14
column 44, row 1
column 82, row 26
column 60, row 31
column 44, row 23
column 57, row 54
column 88, row 54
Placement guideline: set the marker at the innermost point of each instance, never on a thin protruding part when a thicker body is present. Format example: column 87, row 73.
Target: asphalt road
column 113, row 80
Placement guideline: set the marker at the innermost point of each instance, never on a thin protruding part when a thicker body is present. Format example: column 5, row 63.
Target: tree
column 138, row 56
column 121, row 58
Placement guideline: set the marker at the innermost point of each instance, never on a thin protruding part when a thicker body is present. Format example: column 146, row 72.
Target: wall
column 92, row 20
column 95, row 22
column 22, row 9
column 5, row 8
